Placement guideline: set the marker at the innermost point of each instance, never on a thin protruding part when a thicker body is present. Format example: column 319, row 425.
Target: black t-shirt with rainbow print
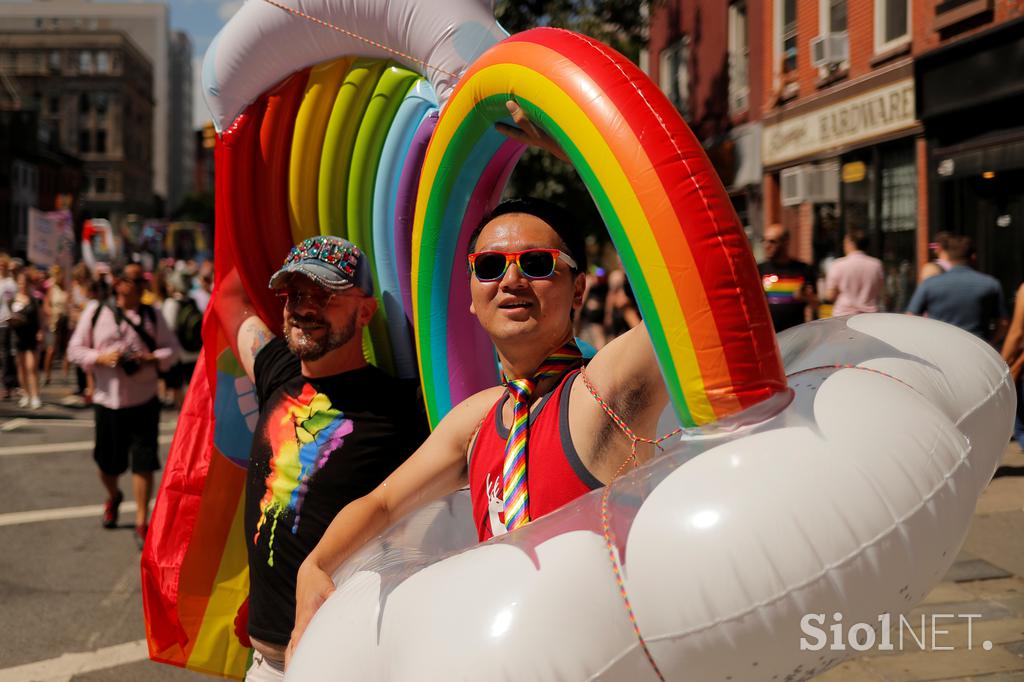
column 319, row 444
column 781, row 284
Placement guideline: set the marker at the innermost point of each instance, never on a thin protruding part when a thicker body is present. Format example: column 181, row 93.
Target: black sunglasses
column 490, row 266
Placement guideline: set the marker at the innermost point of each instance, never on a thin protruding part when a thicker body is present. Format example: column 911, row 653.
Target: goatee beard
column 306, row 347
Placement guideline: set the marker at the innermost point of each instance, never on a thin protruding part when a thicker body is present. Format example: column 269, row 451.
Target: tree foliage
column 618, row 23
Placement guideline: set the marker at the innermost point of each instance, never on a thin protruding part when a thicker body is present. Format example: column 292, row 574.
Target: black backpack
column 188, row 325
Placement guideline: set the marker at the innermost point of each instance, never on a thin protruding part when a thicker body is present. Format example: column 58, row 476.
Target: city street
column 70, row 589
column 73, row 608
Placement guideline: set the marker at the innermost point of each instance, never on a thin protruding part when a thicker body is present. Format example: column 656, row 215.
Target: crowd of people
column 132, row 337
column 41, row 308
column 949, row 287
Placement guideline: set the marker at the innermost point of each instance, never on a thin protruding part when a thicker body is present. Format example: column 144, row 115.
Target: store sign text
column 877, row 112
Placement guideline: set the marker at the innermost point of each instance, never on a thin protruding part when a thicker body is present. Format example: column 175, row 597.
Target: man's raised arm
column 245, row 331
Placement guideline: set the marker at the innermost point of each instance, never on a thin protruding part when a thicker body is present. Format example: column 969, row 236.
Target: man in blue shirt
column 963, row 296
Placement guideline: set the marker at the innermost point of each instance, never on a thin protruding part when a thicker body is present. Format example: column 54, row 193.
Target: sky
column 201, row 19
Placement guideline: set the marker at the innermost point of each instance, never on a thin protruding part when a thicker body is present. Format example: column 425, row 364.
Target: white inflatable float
column 853, row 498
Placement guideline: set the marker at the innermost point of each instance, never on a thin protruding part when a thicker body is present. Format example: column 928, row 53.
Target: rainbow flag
column 195, row 574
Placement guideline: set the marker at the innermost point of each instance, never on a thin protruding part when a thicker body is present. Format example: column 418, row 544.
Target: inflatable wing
column 852, row 498
column 267, row 41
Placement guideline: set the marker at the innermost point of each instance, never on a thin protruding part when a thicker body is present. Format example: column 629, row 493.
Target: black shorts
column 128, row 434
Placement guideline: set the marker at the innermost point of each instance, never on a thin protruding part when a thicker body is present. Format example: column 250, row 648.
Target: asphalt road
column 69, row 589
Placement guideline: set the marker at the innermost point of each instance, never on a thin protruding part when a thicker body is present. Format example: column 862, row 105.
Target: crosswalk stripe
column 38, row 515
column 64, row 667
column 54, row 448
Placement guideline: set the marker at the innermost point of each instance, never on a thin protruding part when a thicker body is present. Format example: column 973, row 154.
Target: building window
column 83, row 103
column 673, row 74
column 54, row 60
column 84, row 139
column 834, row 12
column 739, row 58
column 892, row 24
column 101, row 141
column 54, row 105
column 786, row 39
column 100, row 101
column 830, row 51
column 100, row 184
column 102, row 62
column 85, row 61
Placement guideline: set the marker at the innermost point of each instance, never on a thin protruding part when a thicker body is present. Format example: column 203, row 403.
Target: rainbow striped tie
column 513, row 473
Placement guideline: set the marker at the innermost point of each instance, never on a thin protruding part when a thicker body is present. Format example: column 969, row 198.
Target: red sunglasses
column 490, row 266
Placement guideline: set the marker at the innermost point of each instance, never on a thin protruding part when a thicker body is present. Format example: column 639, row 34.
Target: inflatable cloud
column 851, row 495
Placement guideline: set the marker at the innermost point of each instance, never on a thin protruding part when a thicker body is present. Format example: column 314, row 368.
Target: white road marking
column 13, row 424
column 68, row 665
column 19, row 422
column 54, row 448
column 39, row 515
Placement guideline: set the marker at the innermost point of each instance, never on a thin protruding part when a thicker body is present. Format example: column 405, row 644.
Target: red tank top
column 555, row 475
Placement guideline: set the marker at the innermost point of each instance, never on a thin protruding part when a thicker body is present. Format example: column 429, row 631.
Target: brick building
column 842, row 144
column 901, row 117
column 869, row 103
column 703, row 55
column 94, row 95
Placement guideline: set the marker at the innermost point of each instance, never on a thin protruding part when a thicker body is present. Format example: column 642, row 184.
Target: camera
column 130, row 365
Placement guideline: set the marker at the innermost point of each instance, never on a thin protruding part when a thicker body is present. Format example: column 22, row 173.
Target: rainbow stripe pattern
column 781, row 289
column 515, row 491
column 669, row 216
column 302, row 432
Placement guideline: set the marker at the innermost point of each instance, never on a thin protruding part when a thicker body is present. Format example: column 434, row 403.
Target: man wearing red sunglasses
column 543, row 438
column 330, row 429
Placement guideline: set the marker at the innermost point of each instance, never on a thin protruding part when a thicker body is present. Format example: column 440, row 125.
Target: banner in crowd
column 51, row 238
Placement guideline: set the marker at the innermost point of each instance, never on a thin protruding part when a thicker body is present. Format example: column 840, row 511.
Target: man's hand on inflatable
column 527, row 133
column 313, row 587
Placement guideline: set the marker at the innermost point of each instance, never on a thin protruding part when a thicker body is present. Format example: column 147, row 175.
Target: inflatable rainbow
column 665, row 209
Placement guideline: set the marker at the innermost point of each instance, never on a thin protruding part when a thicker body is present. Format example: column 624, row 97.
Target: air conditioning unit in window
column 830, row 49
column 812, row 183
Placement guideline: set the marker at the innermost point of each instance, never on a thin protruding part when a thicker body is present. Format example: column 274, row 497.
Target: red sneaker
column 140, row 534
column 110, row 510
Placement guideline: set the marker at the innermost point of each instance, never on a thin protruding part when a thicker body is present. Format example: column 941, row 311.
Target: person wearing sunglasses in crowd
column 124, row 343
column 788, row 283
column 331, row 427
column 544, row 437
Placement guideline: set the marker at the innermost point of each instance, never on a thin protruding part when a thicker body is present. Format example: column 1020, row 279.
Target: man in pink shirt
column 855, row 282
column 124, row 344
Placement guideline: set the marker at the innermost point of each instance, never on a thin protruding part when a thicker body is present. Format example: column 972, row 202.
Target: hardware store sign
column 871, row 114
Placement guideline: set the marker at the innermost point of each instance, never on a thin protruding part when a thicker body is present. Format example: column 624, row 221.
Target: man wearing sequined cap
column 331, row 427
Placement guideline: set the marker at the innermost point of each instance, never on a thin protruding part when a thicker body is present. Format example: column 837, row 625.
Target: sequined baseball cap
column 332, row 262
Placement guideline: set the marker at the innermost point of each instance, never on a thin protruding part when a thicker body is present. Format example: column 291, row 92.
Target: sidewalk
column 987, row 579
column 59, row 402
column 56, row 403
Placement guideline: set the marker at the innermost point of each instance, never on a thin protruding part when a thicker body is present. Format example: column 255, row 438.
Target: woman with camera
column 124, row 343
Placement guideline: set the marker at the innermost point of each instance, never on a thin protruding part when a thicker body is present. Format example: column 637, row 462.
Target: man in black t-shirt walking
column 331, row 427
column 788, row 283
